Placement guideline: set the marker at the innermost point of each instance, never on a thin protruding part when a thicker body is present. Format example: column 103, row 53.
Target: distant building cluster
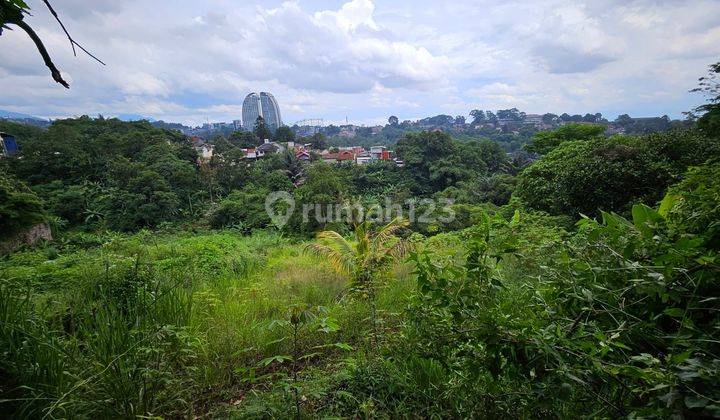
column 358, row 155
column 304, row 152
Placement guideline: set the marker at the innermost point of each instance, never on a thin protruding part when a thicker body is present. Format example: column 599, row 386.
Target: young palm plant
column 369, row 252
column 363, row 257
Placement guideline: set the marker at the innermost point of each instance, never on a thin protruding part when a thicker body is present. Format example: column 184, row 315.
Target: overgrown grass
column 513, row 317
column 159, row 324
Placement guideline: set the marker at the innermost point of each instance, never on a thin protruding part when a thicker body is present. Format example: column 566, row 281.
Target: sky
column 194, row 61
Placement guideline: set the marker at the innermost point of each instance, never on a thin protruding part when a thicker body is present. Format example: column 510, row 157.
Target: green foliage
column 142, row 200
column 615, row 321
column 436, row 161
column 709, row 121
column 162, row 325
column 284, row 134
column 370, row 252
column 317, row 141
column 692, row 205
column 243, row 209
column 20, row 208
column 502, row 312
column 12, row 11
column 611, row 174
column 545, row 141
column 261, row 130
column 496, row 189
column 241, row 139
column 126, row 175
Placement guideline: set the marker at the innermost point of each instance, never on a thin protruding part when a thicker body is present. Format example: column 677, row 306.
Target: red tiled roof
column 345, row 155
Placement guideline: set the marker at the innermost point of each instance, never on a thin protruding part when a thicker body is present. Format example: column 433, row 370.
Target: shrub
column 20, row 208
column 611, row 174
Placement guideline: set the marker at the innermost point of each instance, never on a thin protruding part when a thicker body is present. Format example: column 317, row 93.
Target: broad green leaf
column 643, row 217
column 667, row 203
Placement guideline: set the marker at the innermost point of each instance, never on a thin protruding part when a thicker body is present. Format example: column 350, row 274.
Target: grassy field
column 512, row 317
column 166, row 323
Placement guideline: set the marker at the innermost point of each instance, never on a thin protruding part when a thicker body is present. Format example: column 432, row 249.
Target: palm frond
column 387, row 232
column 399, row 249
column 329, row 237
column 339, row 261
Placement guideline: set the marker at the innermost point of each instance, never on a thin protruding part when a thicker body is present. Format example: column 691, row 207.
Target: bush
column 20, row 208
column 611, row 174
column 693, row 205
column 244, row 209
column 618, row 320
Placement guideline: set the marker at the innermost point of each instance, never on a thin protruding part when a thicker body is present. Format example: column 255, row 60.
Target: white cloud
column 188, row 60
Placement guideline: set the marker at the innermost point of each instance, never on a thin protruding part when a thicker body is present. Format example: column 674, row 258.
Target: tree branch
column 43, row 52
column 73, row 43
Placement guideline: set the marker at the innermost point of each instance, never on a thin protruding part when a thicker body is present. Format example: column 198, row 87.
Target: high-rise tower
column 261, row 105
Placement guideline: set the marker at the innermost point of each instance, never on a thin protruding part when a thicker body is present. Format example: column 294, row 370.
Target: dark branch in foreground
column 73, row 43
column 43, row 52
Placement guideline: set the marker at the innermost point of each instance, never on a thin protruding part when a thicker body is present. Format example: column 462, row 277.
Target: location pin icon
column 279, row 206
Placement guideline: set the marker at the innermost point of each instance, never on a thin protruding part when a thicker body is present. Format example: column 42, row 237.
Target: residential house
column 269, row 147
column 302, row 155
column 329, row 157
column 534, row 119
column 379, row 153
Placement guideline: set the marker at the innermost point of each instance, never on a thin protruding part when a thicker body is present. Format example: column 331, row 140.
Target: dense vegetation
column 582, row 284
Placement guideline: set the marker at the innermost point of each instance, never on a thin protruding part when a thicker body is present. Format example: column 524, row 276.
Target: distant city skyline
column 365, row 59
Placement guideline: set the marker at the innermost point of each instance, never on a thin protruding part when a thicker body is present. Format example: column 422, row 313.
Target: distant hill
column 10, row 115
column 134, row 117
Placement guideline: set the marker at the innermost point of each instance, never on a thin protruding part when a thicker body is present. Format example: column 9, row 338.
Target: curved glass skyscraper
column 261, row 105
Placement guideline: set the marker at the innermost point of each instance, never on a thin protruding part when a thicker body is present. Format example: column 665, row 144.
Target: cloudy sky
column 191, row 61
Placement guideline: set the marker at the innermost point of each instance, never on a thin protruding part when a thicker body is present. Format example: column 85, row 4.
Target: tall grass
column 160, row 325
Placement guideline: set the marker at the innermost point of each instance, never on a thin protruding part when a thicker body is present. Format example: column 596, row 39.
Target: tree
column 261, row 130
column 243, row 208
column 692, row 204
column 591, row 118
column 371, row 252
column 545, row 141
column 492, row 118
column 623, row 120
column 478, row 116
column 293, row 167
column 12, row 12
column 436, row 161
column 438, row 120
column 611, row 174
column 318, row 141
column 144, row 201
column 460, row 120
column 393, row 120
column 511, row 114
column 549, row 118
column 244, row 139
column 284, row 134
column 492, row 154
column 324, row 185
column 709, row 85
column 92, row 166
